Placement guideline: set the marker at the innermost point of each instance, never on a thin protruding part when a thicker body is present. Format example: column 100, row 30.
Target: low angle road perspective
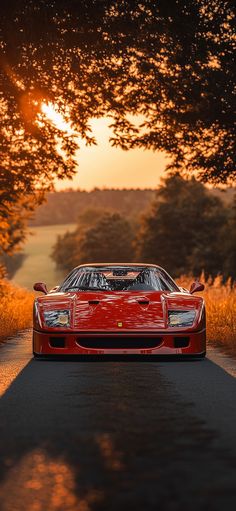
column 117, row 249
column 105, row 435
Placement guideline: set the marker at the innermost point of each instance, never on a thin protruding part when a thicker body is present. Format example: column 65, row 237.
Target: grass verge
column 220, row 301
column 15, row 309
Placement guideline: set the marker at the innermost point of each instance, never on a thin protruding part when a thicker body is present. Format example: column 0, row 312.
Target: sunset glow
column 104, row 166
column 52, row 113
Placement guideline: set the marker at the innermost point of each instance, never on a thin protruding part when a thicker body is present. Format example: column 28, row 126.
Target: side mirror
column 40, row 286
column 196, row 286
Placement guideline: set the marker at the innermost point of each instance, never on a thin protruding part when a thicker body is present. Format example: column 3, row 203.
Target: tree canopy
column 109, row 240
column 169, row 63
column 185, row 231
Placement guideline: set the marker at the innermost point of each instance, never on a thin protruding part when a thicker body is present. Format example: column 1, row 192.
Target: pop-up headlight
column 181, row 318
column 57, row 318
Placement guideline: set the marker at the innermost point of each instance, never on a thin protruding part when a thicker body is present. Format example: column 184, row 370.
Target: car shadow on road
column 120, row 358
column 84, row 436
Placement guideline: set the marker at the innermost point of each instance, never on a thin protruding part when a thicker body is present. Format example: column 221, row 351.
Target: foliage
column 220, row 298
column 70, row 206
column 15, row 309
column 89, row 216
column 110, row 240
column 2, row 271
column 170, row 63
column 184, row 229
column 66, row 250
column 12, row 263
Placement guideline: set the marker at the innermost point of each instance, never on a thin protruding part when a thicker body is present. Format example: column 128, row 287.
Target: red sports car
column 107, row 309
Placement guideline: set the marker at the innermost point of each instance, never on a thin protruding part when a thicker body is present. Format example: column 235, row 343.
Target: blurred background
column 182, row 225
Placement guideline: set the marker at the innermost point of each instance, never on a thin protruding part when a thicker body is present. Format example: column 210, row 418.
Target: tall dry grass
column 220, row 301
column 15, row 309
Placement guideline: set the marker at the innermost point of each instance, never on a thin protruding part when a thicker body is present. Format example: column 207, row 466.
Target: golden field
column 220, row 301
column 16, row 309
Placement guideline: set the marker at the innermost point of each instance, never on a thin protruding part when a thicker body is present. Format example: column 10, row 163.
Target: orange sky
column 105, row 166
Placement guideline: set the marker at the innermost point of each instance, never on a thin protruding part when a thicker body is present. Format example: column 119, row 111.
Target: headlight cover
column 181, row 318
column 57, row 318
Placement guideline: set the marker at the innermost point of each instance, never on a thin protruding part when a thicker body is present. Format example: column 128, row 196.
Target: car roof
column 100, row 265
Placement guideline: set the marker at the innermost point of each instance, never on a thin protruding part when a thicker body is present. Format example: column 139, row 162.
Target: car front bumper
column 114, row 343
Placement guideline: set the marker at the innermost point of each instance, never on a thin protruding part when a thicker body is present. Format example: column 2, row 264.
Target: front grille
column 124, row 342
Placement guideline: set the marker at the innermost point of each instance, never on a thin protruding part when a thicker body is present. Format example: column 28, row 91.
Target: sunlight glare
column 52, row 113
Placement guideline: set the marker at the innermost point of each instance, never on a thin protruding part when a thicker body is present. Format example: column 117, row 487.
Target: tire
column 199, row 356
column 37, row 355
column 202, row 355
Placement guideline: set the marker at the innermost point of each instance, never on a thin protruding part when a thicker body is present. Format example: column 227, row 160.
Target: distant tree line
column 67, row 206
column 186, row 230
column 72, row 206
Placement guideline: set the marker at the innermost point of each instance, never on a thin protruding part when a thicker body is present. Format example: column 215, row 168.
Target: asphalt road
column 112, row 436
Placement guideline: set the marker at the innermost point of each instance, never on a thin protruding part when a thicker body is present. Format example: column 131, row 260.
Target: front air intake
column 181, row 342
column 57, row 342
column 122, row 343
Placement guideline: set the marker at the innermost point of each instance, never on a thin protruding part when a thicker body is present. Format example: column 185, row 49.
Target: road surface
column 112, row 436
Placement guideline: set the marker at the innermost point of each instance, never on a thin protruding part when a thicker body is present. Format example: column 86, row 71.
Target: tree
column 169, row 62
column 87, row 216
column 183, row 231
column 110, row 240
column 65, row 250
column 14, row 217
column 11, row 264
column 184, row 88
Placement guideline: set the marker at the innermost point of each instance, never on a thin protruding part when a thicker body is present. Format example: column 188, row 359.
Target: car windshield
column 118, row 278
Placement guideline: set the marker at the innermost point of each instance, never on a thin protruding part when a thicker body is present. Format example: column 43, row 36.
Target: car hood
column 119, row 310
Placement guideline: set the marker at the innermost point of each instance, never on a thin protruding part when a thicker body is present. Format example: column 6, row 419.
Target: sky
column 104, row 166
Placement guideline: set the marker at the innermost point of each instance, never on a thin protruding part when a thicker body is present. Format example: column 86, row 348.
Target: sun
column 53, row 114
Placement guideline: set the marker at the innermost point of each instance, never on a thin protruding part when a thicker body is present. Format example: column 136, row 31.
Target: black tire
column 37, row 355
column 198, row 356
column 202, row 355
